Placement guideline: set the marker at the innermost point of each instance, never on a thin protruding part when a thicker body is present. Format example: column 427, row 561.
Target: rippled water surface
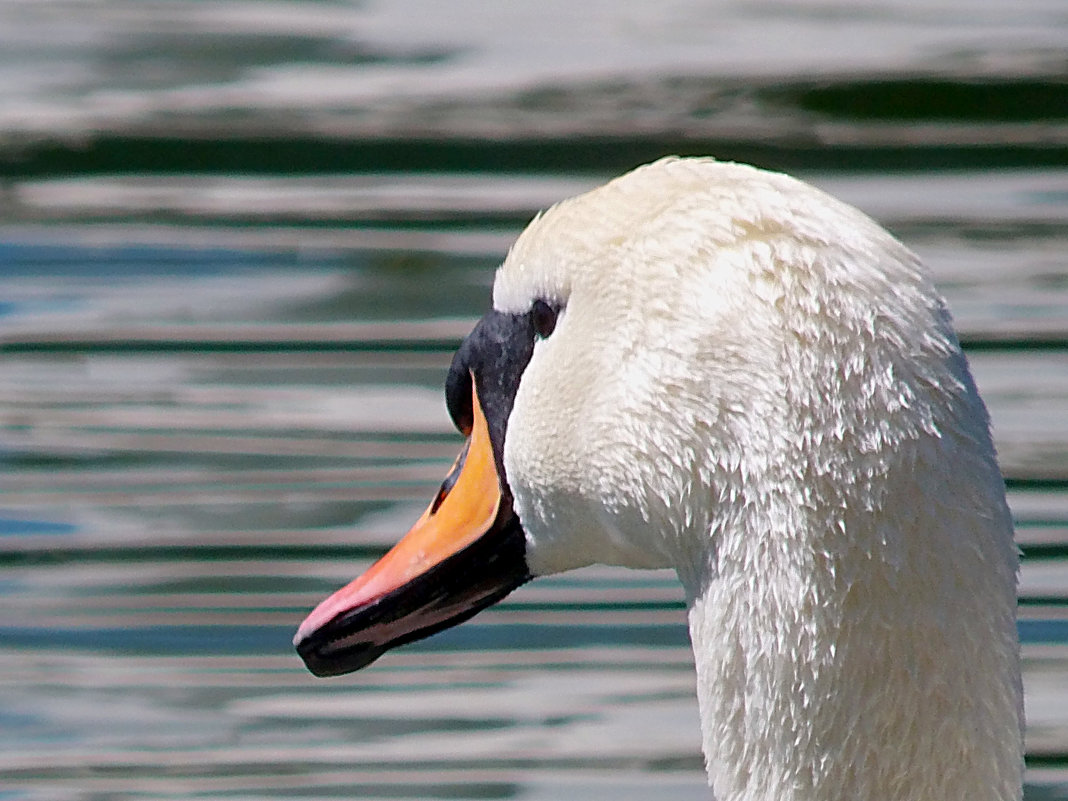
column 238, row 244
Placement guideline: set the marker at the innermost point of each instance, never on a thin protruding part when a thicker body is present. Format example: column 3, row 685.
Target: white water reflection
column 390, row 65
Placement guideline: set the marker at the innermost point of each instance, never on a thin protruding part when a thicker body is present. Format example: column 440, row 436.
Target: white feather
column 756, row 385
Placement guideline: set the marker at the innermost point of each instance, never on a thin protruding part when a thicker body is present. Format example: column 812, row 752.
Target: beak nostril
column 451, row 478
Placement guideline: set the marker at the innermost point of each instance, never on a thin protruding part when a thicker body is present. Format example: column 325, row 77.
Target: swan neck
column 819, row 680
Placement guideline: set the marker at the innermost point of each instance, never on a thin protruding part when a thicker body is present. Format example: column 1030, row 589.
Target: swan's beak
column 465, row 553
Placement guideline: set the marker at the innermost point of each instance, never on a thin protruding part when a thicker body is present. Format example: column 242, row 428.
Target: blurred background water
column 238, row 243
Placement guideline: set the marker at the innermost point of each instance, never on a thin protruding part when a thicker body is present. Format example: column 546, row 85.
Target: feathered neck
column 853, row 619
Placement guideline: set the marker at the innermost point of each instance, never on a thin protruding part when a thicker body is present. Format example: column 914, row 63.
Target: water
column 238, row 242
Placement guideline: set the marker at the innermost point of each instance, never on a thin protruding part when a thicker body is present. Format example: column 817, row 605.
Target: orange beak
column 463, row 554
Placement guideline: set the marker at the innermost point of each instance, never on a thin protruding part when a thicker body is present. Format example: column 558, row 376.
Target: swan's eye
column 544, row 315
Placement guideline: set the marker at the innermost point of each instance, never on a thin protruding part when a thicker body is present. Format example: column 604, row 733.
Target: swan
column 705, row 366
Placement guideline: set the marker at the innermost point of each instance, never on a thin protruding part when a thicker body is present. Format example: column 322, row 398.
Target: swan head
column 721, row 370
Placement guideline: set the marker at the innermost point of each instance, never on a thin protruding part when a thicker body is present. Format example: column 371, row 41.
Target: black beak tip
column 446, row 594
column 325, row 662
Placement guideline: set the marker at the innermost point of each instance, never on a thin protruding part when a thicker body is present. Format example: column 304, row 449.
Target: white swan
column 722, row 370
